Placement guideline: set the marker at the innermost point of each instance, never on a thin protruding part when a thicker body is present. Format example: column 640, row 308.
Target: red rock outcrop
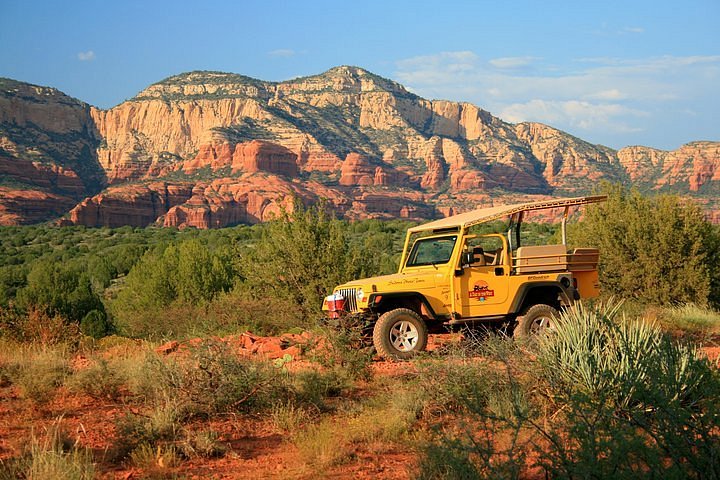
column 23, row 207
column 641, row 163
column 236, row 149
column 50, row 177
column 696, row 163
column 228, row 201
column 263, row 156
column 357, row 170
column 136, row 205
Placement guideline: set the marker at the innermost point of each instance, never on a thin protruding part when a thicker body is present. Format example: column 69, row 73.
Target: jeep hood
column 397, row 278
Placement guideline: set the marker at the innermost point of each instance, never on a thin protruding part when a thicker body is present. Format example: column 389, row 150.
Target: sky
column 611, row 72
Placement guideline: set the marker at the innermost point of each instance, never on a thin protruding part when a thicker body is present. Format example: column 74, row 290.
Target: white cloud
column 282, row 52
column 611, row 94
column 603, row 96
column 576, row 114
column 633, row 30
column 88, row 56
column 512, row 62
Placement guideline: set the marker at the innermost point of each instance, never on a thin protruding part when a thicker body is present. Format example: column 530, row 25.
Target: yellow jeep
column 450, row 276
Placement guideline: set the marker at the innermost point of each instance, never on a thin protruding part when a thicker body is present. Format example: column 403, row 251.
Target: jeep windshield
column 431, row 251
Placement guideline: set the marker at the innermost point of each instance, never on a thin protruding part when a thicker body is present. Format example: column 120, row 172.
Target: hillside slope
column 209, row 149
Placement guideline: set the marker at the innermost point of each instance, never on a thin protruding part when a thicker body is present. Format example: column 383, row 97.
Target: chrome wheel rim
column 404, row 336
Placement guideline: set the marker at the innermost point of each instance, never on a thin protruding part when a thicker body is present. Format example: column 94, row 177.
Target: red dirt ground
column 256, row 449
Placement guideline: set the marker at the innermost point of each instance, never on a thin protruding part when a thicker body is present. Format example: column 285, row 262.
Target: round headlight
column 360, row 294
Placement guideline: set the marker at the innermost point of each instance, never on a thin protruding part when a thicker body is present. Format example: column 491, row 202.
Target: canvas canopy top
column 482, row 215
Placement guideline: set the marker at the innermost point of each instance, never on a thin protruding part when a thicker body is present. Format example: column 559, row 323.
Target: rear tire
column 535, row 320
column 400, row 334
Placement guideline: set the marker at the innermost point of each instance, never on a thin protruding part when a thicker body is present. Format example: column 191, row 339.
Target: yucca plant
column 633, row 399
column 591, row 351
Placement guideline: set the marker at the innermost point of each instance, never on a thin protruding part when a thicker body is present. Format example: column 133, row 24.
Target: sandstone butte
column 211, row 149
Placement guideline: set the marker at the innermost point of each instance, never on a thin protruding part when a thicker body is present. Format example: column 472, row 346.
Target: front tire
column 400, row 333
column 536, row 319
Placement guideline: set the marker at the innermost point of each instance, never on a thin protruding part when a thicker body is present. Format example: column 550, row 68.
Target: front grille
column 350, row 299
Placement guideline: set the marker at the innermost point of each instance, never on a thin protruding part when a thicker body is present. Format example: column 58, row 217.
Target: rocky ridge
column 210, row 149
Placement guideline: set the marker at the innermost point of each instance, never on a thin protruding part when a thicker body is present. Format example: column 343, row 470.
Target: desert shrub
column 227, row 313
column 213, row 380
column 155, row 460
column 37, row 327
column 348, row 346
column 238, row 310
column 323, row 445
column 156, row 323
column 455, row 383
column 449, row 458
column 99, row 380
column 95, row 324
column 485, row 448
column 658, row 249
column 289, row 416
column 389, row 417
column 313, row 387
column 206, row 379
column 133, row 431
column 150, row 378
column 40, row 371
column 203, row 444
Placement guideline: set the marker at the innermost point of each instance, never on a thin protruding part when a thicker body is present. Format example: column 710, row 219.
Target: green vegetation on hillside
column 159, row 282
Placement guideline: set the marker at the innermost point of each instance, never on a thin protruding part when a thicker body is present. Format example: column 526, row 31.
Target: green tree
column 300, row 258
column 182, row 274
column 59, row 290
column 657, row 249
column 200, row 274
column 149, row 284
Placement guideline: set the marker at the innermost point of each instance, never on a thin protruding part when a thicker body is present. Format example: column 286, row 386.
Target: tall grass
column 691, row 318
column 37, row 370
column 54, row 456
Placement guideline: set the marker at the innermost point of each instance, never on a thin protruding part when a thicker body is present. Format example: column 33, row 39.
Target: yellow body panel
column 493, row 284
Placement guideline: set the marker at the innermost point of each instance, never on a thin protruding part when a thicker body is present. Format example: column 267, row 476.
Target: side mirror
column 467, row 258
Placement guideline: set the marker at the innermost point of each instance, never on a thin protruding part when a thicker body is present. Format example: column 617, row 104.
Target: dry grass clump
column 691, row 318
column 289, row 416
column 53, row 456
column 204, row 443
column 101, row 379
column 37, row 370
column 323, row 445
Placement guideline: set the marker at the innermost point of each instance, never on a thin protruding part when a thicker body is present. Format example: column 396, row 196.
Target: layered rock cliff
column 209, row 149
column 48, row 147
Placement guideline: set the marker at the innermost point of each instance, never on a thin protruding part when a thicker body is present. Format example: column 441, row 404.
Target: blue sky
column 610, row 72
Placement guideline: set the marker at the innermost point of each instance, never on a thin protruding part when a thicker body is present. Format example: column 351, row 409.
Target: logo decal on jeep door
column 481, row 290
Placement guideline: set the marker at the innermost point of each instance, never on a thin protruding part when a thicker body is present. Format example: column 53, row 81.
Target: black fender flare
column 522, row 293
column 375, row 305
